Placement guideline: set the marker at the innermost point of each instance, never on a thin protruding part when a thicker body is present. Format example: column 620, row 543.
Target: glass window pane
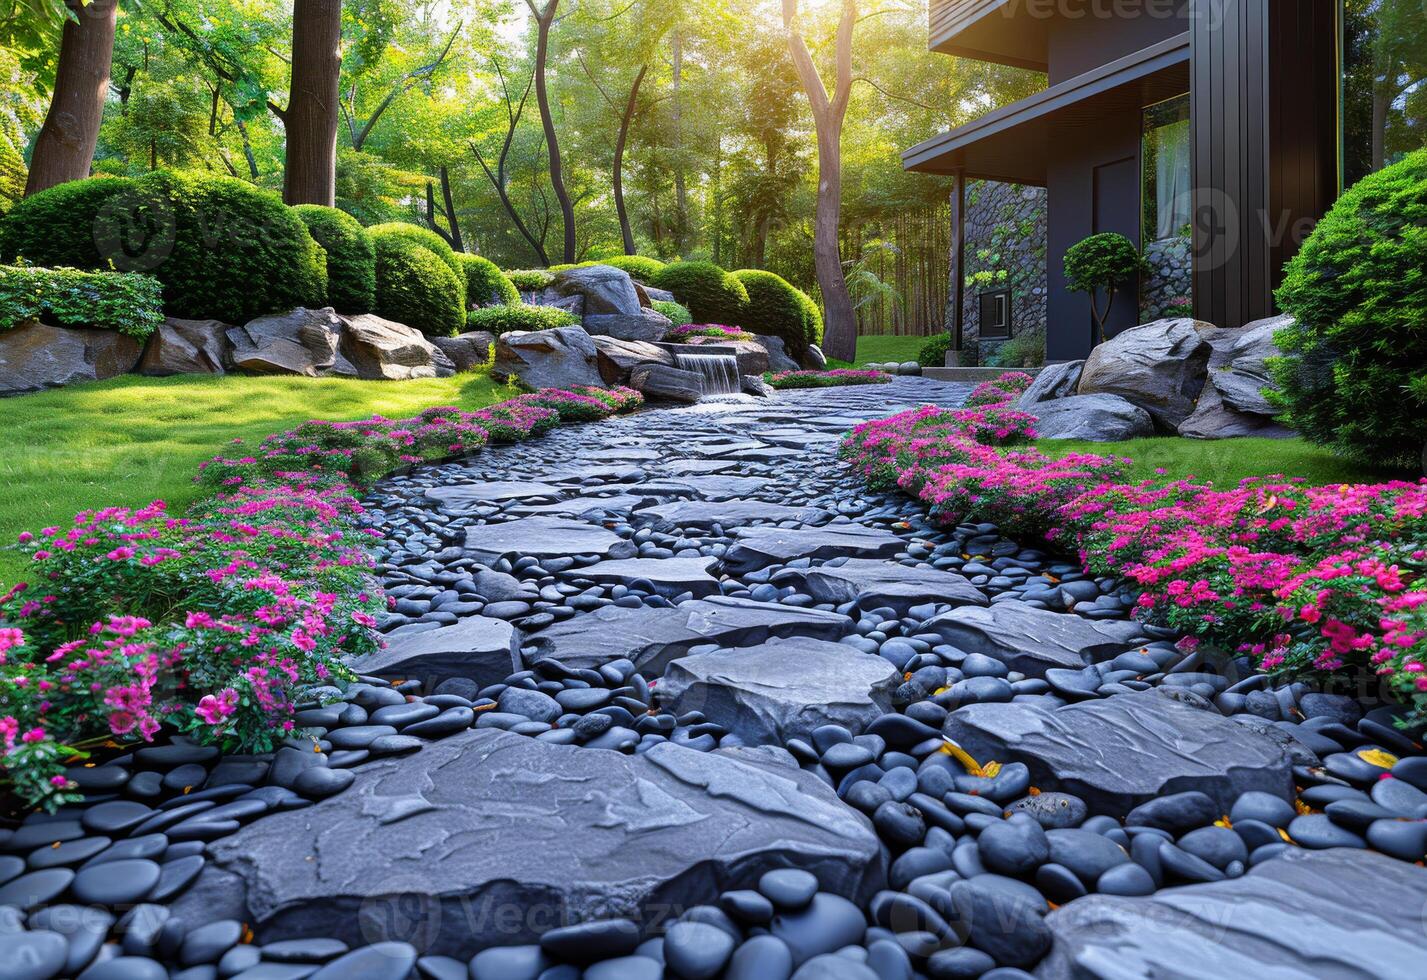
column 1384, row 94
column 1166, row 195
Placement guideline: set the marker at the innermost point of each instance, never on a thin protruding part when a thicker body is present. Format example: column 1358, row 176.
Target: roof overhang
column 1007, row 32
column 1013, row 143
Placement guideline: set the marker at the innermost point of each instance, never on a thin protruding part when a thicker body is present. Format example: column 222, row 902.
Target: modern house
column 1212, row 133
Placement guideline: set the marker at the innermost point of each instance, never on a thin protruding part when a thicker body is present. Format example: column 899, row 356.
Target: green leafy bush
column 677, row 312
column 711, row 294
column 639, row 267
column 1025, row 350
column 508, row 319
column 812, row 316
column 1105, row 262
column 416, row 288
column 351, row 261
column 428, row 240
column 530, row 280
column 485, row 283
column 128, row 302
column 221, row 247
column 56, row 227
column 933, row 352
column 776, row 309
column 1353, row 375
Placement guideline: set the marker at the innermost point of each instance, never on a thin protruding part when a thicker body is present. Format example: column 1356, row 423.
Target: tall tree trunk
column 681, row 190
column 543, row 19
column 839, row 318
column 310, row 176
column 624, row 229
column 64, row 149
column 451, row 234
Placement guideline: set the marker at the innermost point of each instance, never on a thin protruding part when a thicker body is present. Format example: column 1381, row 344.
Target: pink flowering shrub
column 1311, row 581
column 718, row 331
column 1005, row 389
column 212, row 622
column 826, row 379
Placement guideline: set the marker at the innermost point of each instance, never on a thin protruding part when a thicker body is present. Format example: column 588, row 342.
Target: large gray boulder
column 301, row 341
column 778, row 357
column 488, row 838
column 1233, row 402
column 556, row 358
column 617, row 358
column 186, row 347
column 1338, row 913
column 467, row 351
column 1052, row 381
column 660, row 382
column 653, row 637
column 605, row 289
column 384, row 350
column 644, row 324
column 1094, row 418
column 1034, row 640
column 753, row 358
column 1118, row 752
column 36, row 355
column 483, row 649
column 873, row 584
column 782, row 689
column 1158, row 366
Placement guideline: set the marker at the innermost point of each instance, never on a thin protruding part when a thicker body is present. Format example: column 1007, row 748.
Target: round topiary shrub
column 56, row 227
column 508, row 319
column 812, row 317
column 1353, row 375
column 486, row 285
column 428, row 240
column 774, row 308
column 351, row 261
column 416, row 288
column 639, row 267
column 530, row 280
column 711, row 294
column 221, row 247
column 933, row 352
column 677, row 313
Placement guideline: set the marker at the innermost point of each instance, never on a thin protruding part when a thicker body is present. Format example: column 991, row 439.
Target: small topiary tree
column 711, row 294
column 416, row 288
column 428, row 240
column 486, row 285
column 677, row 313
column 507, row 319
column 774, row 308
column 1353, row 374
column 56, row 227
column 639, row 267
column 351, row 261
column 1105, row 262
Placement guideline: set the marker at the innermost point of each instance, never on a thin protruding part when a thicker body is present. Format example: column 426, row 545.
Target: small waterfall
column 719, row 371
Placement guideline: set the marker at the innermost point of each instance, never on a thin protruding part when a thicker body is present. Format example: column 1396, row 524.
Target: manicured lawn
column 1227, row 461
column 131, row 440
column 879, row 350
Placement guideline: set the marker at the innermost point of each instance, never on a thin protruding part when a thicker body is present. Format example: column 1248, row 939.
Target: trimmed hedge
column 127, row 302
column 530, row 280
column 639, row 267
column 812, row 316
column 427, row 239
column 351, row 261
column 677, row 312
column 774, row 308
column 508, row 319
column 485, row 283
column 221, row 247
column 416, row 288
column 711, row 294
column 1353, row 375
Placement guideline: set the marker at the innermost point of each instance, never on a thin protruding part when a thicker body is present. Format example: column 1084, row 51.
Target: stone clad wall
column 1167, row 290
column 1005, row 246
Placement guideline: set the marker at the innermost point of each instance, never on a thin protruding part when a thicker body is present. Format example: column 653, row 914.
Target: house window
column 1166, row 196
column 1383, row 100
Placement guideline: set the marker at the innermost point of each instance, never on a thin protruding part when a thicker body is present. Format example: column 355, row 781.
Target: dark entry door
column 1117, row 208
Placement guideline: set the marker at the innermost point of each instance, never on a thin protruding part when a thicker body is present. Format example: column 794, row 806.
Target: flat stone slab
column 576, row 506
column 728, row 513
column 1034, row 640
column 669, row 576
column 1335, row 913
column 484, row 649
column 759, row 547
column 782, row 689
column 653, row 637
column 490, row 838
column 544, row 537
column 873, row 584
column 456, row 498
column 723, row 487
column 1119, row 752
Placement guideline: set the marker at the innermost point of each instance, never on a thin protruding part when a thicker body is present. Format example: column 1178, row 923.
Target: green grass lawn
column 1226, row 461
column 881, row 349
column 131, row 440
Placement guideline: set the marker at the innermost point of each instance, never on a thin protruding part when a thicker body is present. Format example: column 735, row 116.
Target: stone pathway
column 773, row 661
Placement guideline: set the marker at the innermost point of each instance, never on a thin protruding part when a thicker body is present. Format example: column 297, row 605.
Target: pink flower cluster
column 210, row 623
column 1309, row 580
column 826, row 379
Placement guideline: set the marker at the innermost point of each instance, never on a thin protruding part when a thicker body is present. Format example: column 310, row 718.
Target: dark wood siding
column 1080, row 43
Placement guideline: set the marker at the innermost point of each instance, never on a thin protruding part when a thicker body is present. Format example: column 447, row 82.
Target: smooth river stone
column 433, row 845
column 1334, row 913
column 1034, row 640
column 543, row 537
column 484, row 649
column 759, row 547
column 1119, row 752
column 782, row 689
column 874, row 584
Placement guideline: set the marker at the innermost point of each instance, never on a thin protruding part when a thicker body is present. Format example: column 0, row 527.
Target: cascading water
column 719, row 371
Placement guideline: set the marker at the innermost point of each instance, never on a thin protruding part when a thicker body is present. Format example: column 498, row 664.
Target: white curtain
column 1172, row 197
